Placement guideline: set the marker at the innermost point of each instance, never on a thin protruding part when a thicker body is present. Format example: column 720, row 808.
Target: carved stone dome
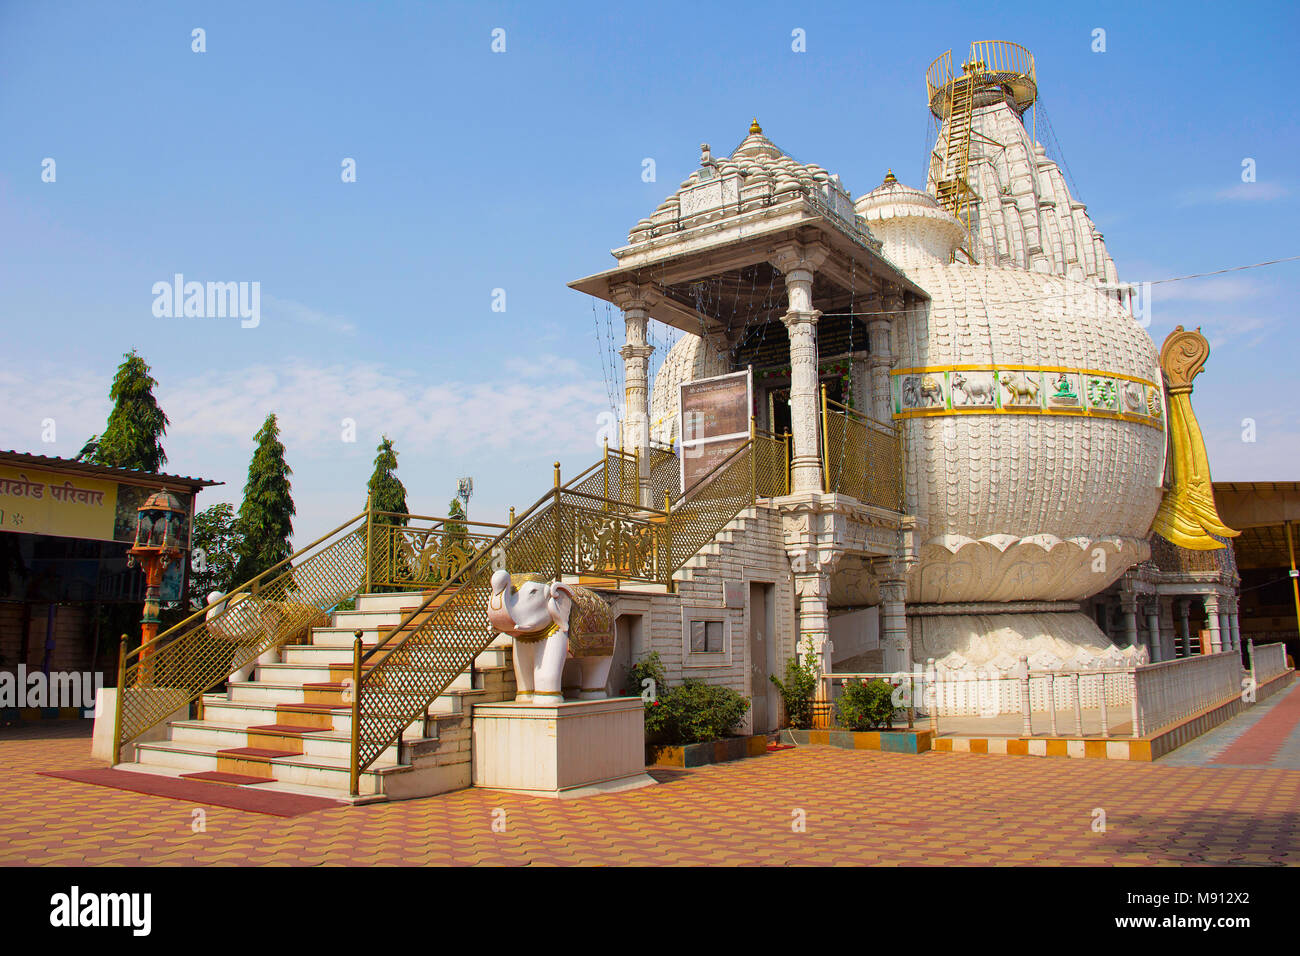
column 913, row 228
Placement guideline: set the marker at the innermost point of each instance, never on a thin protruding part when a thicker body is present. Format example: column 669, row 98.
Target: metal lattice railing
column 418, row 551
column 862, row 458
column 665, row 476
column 179, row 665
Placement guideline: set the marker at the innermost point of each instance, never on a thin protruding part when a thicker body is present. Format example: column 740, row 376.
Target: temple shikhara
column 916, row 430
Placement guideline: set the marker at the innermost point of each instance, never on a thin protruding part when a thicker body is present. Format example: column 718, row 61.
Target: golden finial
column 755, row 128
column 889, row 177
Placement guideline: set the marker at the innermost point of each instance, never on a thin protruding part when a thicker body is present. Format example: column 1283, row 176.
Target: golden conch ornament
column 1187, row 516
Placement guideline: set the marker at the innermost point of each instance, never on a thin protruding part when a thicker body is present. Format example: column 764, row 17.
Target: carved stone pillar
column 881, row 360
column 799, row 263
column 1235, row 624
column 1128, row 605
column 1153, row 632
column 1225, row 627
column 636, row 394
column 1184, row 626
column 894, row 638
column 813, row 589
column 1212, row 621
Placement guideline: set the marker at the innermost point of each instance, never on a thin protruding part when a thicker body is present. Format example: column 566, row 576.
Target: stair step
column 229, row 779
column 257, row 752
column 295, row 729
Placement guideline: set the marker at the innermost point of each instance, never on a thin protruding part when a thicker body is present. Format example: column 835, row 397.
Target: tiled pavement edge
column 855, row 806
column 1265, row 735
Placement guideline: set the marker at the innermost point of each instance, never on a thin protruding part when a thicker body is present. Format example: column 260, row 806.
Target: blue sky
column 519, row 171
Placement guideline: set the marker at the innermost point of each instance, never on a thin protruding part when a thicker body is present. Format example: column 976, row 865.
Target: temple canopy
column 724, row 223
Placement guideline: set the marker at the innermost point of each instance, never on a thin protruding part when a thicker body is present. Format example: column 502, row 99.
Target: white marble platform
column 569, row 749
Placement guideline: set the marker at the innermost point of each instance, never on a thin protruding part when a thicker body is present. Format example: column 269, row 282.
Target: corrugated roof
column 1253, row 487
column 85, row 468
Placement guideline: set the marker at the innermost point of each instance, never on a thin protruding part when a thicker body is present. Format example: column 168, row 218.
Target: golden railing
column 861, row 457
column 410, row 552
column 1002, row 61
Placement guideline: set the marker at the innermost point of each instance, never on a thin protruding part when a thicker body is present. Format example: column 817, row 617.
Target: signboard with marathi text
column 35, row 501
column 715, row 415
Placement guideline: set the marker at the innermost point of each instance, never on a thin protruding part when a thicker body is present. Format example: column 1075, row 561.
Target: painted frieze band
column 1021, row 389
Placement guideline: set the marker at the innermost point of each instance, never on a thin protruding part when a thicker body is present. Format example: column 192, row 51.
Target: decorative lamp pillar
column 635, row 436
column 157, row 544
column 799, row 263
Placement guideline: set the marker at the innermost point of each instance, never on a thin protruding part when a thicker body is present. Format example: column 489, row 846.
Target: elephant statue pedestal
column 560, row 748
column 539, row 743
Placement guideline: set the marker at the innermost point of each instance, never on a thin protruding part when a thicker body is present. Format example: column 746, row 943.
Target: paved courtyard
column 813, row 806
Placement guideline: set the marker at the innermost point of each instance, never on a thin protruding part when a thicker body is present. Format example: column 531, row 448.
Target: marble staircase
column 288, row 728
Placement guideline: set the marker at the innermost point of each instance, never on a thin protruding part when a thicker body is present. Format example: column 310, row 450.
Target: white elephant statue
column 552, row 622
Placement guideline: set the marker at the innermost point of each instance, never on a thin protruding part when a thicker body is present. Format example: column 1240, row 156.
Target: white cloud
column 1252, row 192
column 305, row 315
column 1238, row 192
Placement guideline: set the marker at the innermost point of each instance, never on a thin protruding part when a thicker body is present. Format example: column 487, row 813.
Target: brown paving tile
column 861, row 807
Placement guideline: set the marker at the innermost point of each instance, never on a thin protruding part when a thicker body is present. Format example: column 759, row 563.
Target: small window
column 706, row 637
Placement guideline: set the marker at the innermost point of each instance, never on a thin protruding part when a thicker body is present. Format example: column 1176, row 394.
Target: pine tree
column 266, row 517
column 387, row 493
column 132, row 437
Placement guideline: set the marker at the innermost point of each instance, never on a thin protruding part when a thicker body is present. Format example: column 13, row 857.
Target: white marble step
column 212, row 736
column 328, row 772
column 401, row 601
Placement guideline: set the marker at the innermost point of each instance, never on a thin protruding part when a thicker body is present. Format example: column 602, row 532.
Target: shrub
column 693, row 712
column 799, row 689
column 649, row 667
column 866, row 704
column 696, row 711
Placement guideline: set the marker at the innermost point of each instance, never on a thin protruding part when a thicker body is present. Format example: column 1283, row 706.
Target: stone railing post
column 1025, row 703
column 932, row 695
column 1136, row 709
column 1101, row 702
column 1078, row 704
column 1051, row 699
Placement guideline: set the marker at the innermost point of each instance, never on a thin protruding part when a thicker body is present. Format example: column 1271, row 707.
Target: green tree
column 265, row 522
column 132, row 436
column 387, row 493
column 215, row 554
